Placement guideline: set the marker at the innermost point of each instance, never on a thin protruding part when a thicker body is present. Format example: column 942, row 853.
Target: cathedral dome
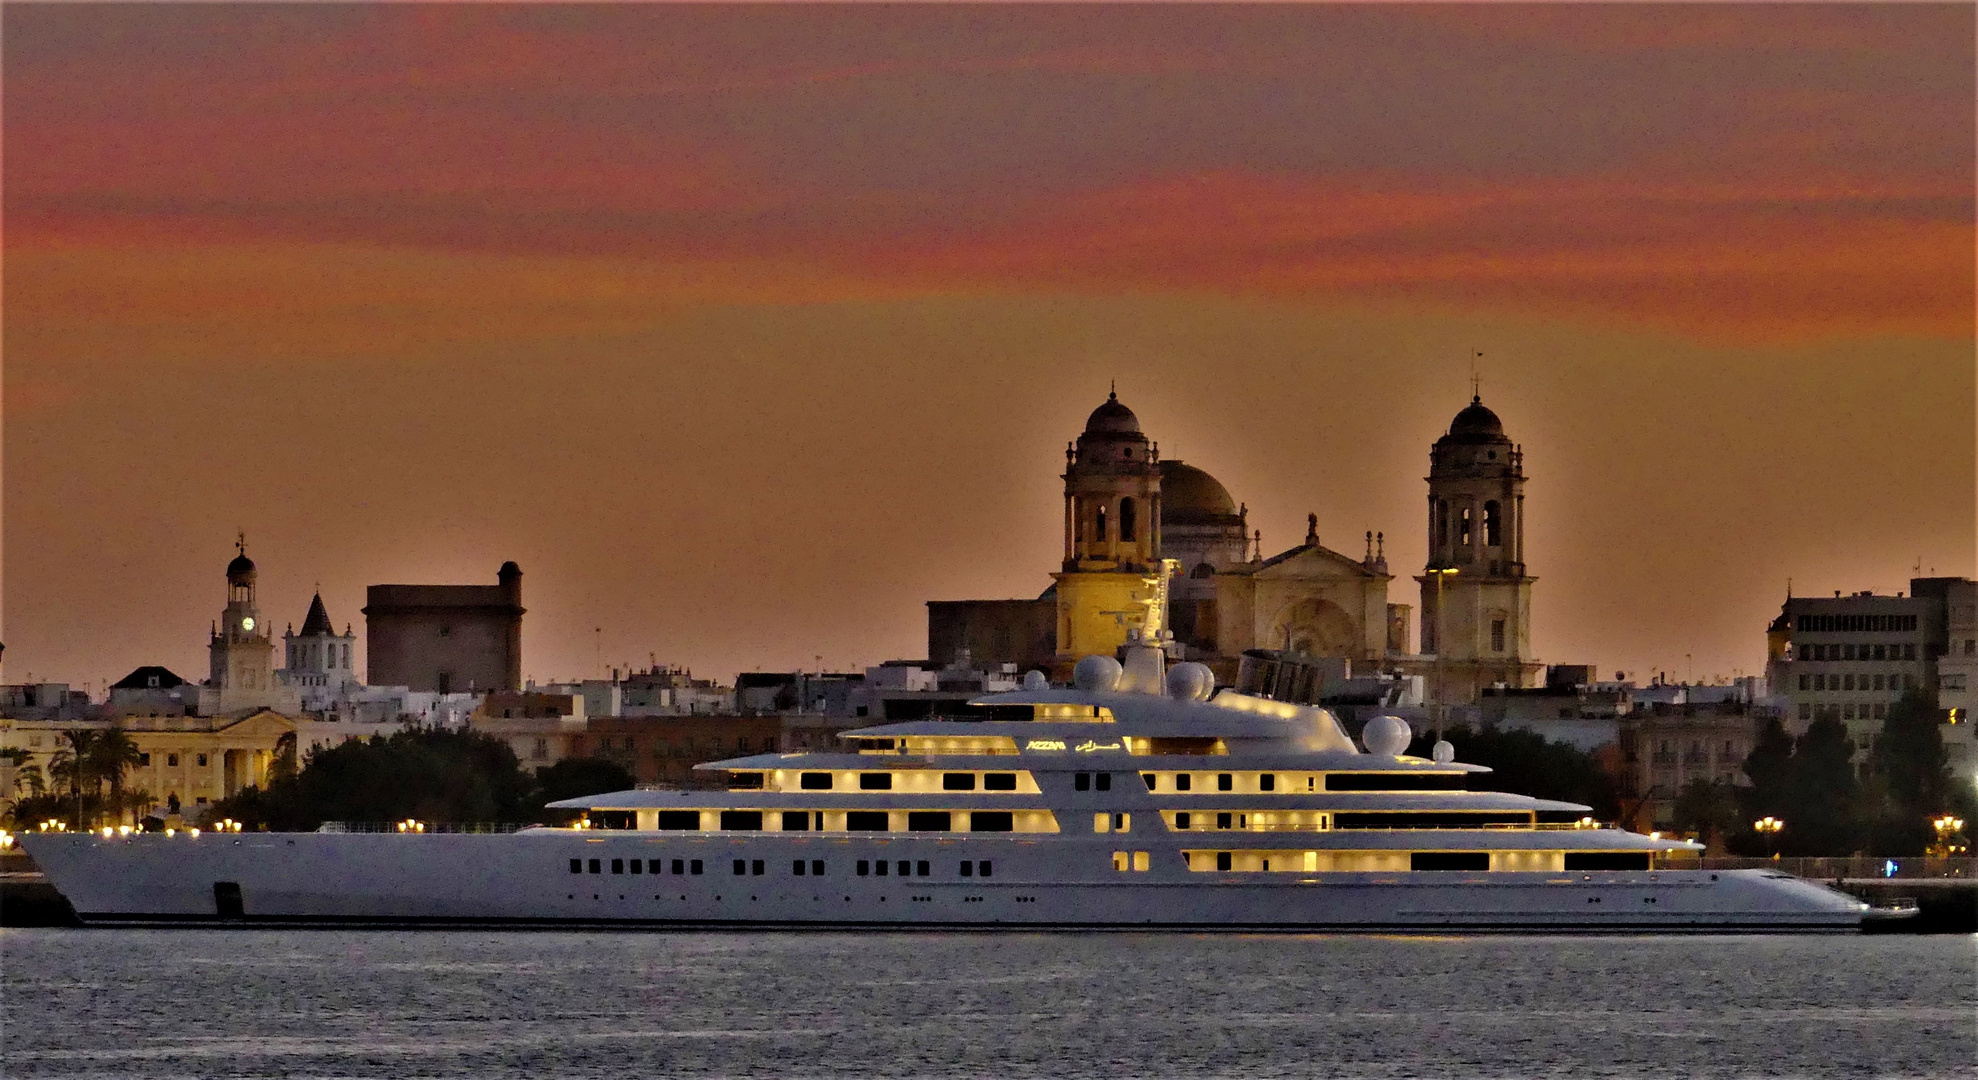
column 1191, row 496
column 1111, row 417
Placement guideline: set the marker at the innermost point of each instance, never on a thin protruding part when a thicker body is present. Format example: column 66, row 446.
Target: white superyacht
column 1137, row 798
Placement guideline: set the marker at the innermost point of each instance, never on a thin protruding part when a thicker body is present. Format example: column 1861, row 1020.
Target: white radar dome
column 1387, row 736
column 1096, row 674
column 1190, row 681
column 1443, row 753
column 1035, row 680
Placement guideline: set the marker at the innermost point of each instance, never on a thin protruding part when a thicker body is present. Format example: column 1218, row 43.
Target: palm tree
column 71, row 763
column 114, row 754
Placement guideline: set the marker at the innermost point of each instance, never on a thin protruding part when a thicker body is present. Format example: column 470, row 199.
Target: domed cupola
column 1476, row 419
column 1112, row 418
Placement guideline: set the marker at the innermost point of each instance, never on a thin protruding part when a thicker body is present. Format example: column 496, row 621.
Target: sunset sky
column 747, row 330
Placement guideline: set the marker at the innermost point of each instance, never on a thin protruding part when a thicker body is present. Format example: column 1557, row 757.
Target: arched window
column 1493, row 524
column 1099, row 531
column 1441, row 524
column 1465, row 540
column 1126, row 519
column 1078, row 521
column 1202, row 570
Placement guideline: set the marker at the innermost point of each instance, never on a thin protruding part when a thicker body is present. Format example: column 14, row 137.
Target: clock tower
column 243, row 654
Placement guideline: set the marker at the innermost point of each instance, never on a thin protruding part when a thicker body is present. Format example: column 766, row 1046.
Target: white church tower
column 319, row 661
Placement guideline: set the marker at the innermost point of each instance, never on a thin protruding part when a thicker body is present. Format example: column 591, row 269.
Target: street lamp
column 1769, row 826
column 1948, row 828
column 1441, row 707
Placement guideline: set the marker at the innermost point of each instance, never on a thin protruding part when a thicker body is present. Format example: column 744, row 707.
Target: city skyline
column 405, row 293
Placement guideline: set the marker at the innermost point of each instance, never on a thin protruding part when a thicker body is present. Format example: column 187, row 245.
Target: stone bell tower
column 242, row 653
column 1112, row 533
column 1476, row 595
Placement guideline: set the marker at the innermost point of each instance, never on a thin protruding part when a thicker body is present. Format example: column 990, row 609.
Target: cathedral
column 1131, row 519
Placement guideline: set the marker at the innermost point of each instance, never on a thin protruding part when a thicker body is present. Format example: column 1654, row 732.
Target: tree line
column 1825, row 804
column 431, row 775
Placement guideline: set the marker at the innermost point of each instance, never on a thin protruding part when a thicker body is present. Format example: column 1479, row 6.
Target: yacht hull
column 525, row 880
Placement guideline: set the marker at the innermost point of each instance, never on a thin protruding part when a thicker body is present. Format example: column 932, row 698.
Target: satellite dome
column 1444, row 753
column 1387, row 736
column 1036, row 680
column 1112, row 418
column 1096, row 674
column 1190, row 681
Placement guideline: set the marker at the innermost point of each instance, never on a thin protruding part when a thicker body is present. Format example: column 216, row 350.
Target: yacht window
column 1607, row 860
column 921, row 868
column 968, row 868
column 1267, row 782
column 906, row 868
column 999, row 781
column 1142, row 861
column 929, row 821
column 756, row 868
column 596, row 867
column 1224, row 782
column 880, row 867
column 680, row 867
column 576, row 866
column 742, row 781
column 741, row 867
column 814, row 781
column 653, row 866
column 983, row 867
column 1103, row 781
column 875, row 781
column 1222, row 860
column 796, row 821
column 1081, row 782
column 1449, row 860
column 1120, row 822
column 695, row 866
column 865, row 867
column 1102, row 822
column 1222, row 820
column 1119, row 860
column 1183, row 781
column 817, row 868
column 866, row 821
column 1149, row 778
column 1181, row 820
column 741, row 820
column 679, row 819
column 637, row 865
column 991, row 821
column 797, row 867
column 1395, row 781
column 957, row 781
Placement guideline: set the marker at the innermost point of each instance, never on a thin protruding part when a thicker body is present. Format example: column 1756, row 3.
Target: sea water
column 203, row 1003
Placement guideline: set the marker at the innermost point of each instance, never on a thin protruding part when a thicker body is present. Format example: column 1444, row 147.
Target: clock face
column 247, row 623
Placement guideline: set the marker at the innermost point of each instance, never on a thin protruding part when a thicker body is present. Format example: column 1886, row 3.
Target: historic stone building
column 320, row 663
column 1476, row 595
column 1112, row 533
column 241, row 653
column 446, row 638
column 1126, row 512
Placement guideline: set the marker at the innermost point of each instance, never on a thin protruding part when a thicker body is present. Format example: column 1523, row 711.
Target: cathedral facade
column 1130, row 516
